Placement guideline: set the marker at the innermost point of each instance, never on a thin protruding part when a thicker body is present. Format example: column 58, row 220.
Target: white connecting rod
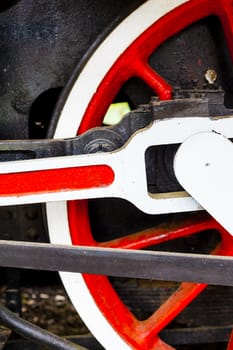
column 26, row 181
column 204, row 167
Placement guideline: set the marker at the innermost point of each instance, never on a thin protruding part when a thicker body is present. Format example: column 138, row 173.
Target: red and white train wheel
column 122, row 55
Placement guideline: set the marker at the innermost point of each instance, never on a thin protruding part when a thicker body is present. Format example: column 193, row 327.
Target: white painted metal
column 68, row 125
column 130, row 172
column 204, row 167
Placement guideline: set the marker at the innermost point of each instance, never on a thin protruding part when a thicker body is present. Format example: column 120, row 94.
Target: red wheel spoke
column 175, row 304
column 133, row 62
column 150, row 328
column 157, row 235
column 230, row 344
column 172, row 307
column 153, row 79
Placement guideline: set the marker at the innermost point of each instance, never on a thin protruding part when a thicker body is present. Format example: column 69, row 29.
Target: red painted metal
column 134, row 61
column 230, row 344
column 144, row 335
column 55, row 180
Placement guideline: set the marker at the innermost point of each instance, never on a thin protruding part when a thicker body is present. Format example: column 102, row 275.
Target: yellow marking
column 116, row 112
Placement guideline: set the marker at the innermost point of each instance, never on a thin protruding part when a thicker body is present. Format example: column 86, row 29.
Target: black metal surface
column 24, row 344
column 191, row 103
column 41, row 43
column 175, row 336
column 30, row 331
column 216, row 270
column 200, row 335
column 104, row 139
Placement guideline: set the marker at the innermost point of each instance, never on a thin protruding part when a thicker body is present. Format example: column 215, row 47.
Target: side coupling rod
column 210, row 269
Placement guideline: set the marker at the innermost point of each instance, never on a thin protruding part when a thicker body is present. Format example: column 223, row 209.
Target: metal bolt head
column 211, row 76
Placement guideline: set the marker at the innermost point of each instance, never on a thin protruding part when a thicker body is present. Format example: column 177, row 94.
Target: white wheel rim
column 67, row 126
